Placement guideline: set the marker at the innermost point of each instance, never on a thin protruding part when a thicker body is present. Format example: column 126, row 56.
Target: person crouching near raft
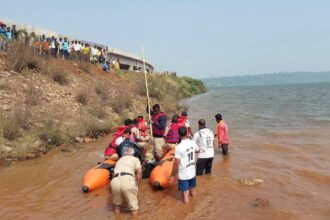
column 184, row 165
column 111, row 150
column 222, row 134
column 172, row 137
column 158, row 130
column 124, row 185
column 204, row 139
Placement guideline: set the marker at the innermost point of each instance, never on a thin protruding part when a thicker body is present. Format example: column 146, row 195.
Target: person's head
column 175, row 118
column 65, row 39
column 75, row 42
column 126, row 133
column 183, row 132
column 43, row 36
column 201, row 123
column 135, row 121
column 14, row 27
column 128, row 151
column 184, row 113
column 127, row 122
column 8, row 28
column 60, row 39
column 72, row 42
column 140, row 118
column 218, row 117
column 156, row 108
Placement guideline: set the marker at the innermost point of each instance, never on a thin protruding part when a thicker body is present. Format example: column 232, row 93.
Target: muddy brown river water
column 292, row 158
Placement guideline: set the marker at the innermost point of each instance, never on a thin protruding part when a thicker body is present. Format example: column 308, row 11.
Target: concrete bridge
column 127, row 60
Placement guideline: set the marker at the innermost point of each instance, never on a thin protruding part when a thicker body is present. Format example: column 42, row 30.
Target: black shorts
column 204, row 164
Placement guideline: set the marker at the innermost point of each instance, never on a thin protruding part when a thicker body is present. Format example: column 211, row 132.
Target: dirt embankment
column 47, row 102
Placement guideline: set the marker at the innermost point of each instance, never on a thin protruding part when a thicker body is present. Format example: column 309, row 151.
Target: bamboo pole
column 147, row 89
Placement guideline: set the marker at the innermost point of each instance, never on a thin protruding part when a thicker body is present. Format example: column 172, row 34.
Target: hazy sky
column 195, row 38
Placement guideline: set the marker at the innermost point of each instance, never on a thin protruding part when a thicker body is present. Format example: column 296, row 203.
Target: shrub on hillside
column 10, row 128
column 51, row 133
column 82, row 96
column 94, row 127
column 21, row 56
column 21, row 116
column 120, row 103
column 12, row 124
column 32, row 96
column 59, row 75
column 84, row 66
column 102, row 90
column 98, row 112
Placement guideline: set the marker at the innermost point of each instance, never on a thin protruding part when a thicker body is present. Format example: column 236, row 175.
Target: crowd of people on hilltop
column 193, row 155
column 61, row 48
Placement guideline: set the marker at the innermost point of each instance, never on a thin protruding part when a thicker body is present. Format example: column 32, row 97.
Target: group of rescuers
column 128, row 170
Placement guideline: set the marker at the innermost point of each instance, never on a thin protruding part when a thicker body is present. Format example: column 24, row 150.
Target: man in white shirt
column 204, row 139
column 184, row 165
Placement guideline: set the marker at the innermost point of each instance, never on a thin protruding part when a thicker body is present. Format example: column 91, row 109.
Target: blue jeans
column 185, row 185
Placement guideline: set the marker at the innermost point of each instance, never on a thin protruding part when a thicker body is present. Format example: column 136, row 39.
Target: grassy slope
column 50, row 102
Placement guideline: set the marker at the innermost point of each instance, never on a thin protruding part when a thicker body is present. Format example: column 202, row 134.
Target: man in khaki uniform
column 124, row 185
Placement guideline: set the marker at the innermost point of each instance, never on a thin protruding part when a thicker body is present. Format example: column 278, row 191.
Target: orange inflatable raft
column 98, row 176
column 160, row 175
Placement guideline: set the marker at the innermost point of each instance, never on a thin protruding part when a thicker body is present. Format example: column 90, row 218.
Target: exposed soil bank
column 55, row 102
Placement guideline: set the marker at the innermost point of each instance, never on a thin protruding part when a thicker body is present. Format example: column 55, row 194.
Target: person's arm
column 174, row 170
column 138, row 175
column 161, row 123
column 219, row 133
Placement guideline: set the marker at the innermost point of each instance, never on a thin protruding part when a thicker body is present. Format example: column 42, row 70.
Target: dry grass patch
column 83, row 96
column 59, row 75
column 32, row 95
column 120, row 103
column 12, row 125
column 102, row 90
column 98, row 112
column 51, row 132
column 21, row 56
column 84, row 66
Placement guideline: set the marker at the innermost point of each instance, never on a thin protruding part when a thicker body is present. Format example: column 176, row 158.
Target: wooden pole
column 147, row 89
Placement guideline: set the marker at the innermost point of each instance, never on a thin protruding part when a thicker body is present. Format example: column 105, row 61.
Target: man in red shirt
column 222, row 134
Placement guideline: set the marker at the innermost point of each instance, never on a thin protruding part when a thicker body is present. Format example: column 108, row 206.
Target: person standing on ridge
column 124, row 185
column 184, row 165
column 222, row 134
column 204, row 139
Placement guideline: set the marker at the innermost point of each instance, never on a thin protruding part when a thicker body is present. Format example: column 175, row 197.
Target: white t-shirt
column 187, row 124
column 119, row 141
column 185, row 151
column 204, row 140
column 76, row 47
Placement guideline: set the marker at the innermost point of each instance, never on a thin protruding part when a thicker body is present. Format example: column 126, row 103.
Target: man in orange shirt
column 222, row 134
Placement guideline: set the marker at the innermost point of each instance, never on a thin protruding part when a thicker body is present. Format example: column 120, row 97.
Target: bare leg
column 117, row 209
column 192, row 191
column 185, row 197
column 135, row 212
